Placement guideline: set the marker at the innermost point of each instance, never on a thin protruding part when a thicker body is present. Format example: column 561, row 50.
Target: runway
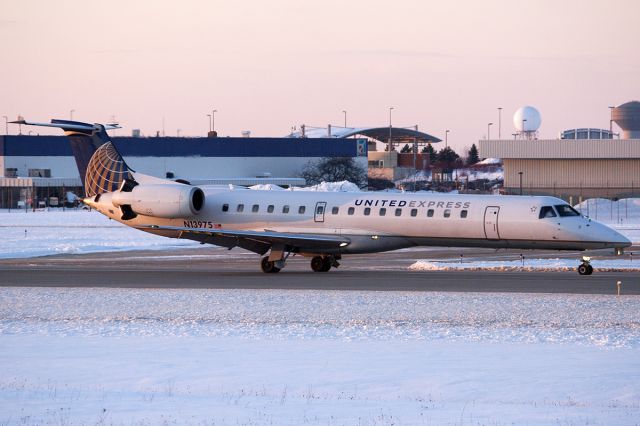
column 219, row 269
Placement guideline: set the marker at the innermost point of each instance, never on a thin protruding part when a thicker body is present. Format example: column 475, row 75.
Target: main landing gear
column 323, row 264
column 318, row 264
column 585, row 267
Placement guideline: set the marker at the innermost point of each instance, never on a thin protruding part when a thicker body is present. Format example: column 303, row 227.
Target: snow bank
column 626, row 264
column 266, row 187
column 343, row 186
column 489, row 161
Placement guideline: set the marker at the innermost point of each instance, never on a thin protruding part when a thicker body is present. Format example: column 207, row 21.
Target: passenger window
column 398, row 212
column 414, row 212
column 351, row 211
column 565, row 210
column 335, row 210
column 463, row 214
column 240, row 208
column 546, row 211
column 383, row 211
column 430, row 213
column 285, row 209
column 270, row 208
column 447, row 213
column 301, row 209
column 367, row 211
column 225, row 207
column 255, row 208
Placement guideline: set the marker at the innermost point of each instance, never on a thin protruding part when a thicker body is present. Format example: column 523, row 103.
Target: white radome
column 532, row 117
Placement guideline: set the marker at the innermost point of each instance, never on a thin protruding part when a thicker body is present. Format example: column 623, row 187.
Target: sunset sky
column 266, row 66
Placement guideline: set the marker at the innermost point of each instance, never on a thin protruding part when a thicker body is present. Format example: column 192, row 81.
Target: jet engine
column 166, row 201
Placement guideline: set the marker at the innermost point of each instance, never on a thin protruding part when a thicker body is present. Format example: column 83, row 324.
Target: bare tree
column 334, row 169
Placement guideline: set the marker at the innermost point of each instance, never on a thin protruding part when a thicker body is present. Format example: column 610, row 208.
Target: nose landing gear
column 269, row 266
column 585, row 267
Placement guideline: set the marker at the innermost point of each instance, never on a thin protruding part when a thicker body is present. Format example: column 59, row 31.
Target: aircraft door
column 321, row 206
column 491, row 223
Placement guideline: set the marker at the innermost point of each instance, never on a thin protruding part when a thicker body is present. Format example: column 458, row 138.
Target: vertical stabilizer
column 100, row 165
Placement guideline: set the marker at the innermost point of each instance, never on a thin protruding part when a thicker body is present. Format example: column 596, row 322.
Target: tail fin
column 101, row 167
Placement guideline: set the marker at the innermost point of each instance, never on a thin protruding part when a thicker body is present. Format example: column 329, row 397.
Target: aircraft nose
column 612, row 237
column 621, row 241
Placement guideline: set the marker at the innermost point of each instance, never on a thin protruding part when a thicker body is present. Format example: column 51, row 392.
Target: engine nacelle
column 166, row 201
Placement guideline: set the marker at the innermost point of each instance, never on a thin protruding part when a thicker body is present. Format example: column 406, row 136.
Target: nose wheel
column 585, row 267
column 269, row 266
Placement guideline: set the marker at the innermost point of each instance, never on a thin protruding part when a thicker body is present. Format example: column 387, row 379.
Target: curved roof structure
column 398, row 134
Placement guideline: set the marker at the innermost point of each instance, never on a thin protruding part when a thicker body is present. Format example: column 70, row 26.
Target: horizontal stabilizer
column 70, row 126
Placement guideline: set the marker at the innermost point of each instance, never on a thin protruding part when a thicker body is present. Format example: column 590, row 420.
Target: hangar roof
column 398, row 134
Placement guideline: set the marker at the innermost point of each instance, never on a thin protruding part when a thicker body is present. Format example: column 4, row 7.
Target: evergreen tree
column 472, row 157
column 447, row 157
column 433, row 157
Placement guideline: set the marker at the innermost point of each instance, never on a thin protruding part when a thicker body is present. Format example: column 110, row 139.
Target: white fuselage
column 380, row 221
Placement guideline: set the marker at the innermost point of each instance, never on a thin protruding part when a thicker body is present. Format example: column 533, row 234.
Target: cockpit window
column 565, row 210
column 546, row 211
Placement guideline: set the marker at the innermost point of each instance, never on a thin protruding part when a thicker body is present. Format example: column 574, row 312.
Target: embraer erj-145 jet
column 323, row 226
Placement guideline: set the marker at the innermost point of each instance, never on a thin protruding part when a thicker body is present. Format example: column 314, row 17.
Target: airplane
column 322, row 226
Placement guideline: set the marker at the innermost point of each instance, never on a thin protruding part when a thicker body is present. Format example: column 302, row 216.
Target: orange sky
column 269, row 65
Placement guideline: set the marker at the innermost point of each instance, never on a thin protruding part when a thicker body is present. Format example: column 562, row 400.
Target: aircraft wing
column 257, row 241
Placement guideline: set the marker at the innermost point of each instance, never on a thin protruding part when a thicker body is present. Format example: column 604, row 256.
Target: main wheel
column 319, row 264
column 268, row 266
column 583, row 269
column 326, row 264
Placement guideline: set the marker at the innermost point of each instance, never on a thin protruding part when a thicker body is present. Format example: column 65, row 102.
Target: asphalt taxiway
column 216, row 268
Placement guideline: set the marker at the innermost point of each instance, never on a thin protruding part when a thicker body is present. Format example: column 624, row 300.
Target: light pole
column 6, row 124
column 71, row 113
column 611, row 120
column 520, row 176
column 446, row 138
column 209, row 121
column 489, row 130
column 390, row 145
column 345, row 118
column 178, row 132
column 499, row 123
column 213, row 120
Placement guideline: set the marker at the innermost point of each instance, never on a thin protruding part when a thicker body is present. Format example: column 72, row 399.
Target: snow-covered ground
column 236, row 357
column 41, row 233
